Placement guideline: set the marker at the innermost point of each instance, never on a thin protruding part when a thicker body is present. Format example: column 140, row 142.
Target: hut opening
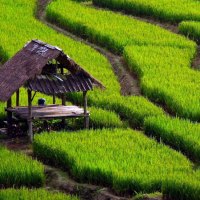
column 40, row 67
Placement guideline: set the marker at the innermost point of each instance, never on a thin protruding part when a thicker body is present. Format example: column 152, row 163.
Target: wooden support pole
column 86, row 116
column 9, row 117
column 30, row 123
column 61, row 70
column 17, row 98
column 54, row 99
column 63, row 103
column 63, row 100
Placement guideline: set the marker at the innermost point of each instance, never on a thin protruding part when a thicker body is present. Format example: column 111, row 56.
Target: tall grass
column 15, row 33
column 100, row 118
column 114, row 31
column 183, row 135
column 166, row 78
column 125, row 160
column 161, row 59
column 166, row 10
column 25, row 194
column 18, row 170
column 190, row 29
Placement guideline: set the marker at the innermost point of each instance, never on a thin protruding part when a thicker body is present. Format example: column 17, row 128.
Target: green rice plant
column 123, row 159
column 142, row 196
column 18, row 170
column 111, row 30
column 166, row 10
column 186, row 188
column 190, row 29
column 36, row 194
column 15, row 33
column 100, row 118
column 134, row 109
column 182, row 135
column 166, row 77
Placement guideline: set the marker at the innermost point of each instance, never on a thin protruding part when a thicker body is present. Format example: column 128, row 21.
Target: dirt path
column 58, row 180
column 127, row 79
column 165, row 25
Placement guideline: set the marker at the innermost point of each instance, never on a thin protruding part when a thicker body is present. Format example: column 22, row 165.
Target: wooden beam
column 9, row 116
column 9, row 102
column 63, row 103
column 30, row 123
column 63, row 99
column 62, row 70
column 17, row 98
column 54, row 99
column 86, row 116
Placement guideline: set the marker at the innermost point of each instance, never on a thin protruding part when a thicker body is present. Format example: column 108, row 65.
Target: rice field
column 174, row 85
column 123, row 159
column 149, row 50
column 181, row 134
column 18, row 170
column 26, row 27
column 167, row 10
column 110, row 154
column 190, row 29
column 83, row 21
column 24, row 194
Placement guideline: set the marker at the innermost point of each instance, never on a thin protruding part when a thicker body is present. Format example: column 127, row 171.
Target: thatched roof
column 27, row 65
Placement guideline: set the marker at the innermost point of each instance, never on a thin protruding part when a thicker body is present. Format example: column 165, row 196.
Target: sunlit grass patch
column 123, row 159
column 25, row 194
column 17, row 170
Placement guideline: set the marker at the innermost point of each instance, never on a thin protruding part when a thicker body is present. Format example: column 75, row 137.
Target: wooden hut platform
column 41, row 67
column 48, row 112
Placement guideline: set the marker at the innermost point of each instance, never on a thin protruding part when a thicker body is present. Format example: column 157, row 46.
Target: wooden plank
column 47, row 112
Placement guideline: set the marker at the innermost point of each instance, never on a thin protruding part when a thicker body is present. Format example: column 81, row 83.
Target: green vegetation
column 17, row 170
column 100, row 118
column 141, row 196
column 149, row 50
column 183, row 135
column 125, row 160
column 167, row 10
column 25, row 27
column 25, row 194
column 122, row 159
column 96, row 25
column 166, row 77
column 190, row 29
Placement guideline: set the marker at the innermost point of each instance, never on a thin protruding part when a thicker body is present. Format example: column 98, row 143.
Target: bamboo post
column 54, row 99
column 17, row 98
column 63, row 101
column 86, row 117
column 30, row 123
column 9, row 117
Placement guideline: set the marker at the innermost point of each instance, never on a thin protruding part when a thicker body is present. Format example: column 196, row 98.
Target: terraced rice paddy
column 23, row 194
column 114, row 156
column 144, row 47
column 17, row 170
column 167, row 10
column 190, row 29
column 123, row 159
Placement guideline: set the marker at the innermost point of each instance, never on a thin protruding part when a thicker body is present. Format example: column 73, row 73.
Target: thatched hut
column 43, row 68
